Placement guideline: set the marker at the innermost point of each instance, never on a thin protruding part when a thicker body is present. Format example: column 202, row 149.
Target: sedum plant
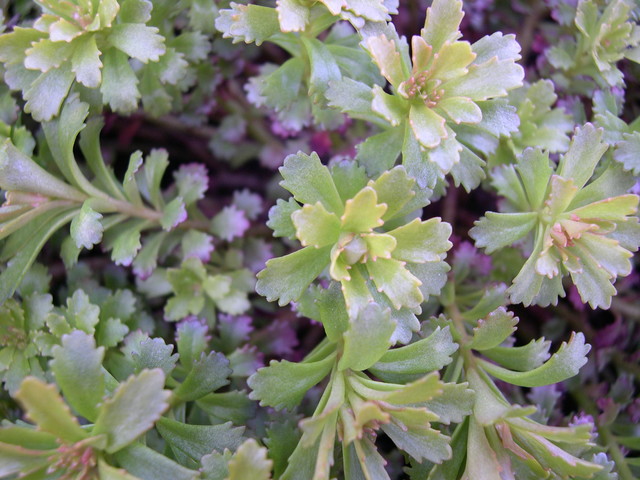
column 578, row 227
column 355, row 228
column 448, row 88
column 173, row 308
column 83, row 42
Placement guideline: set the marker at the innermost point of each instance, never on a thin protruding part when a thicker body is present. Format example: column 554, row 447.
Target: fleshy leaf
column 197, row 441
column 416, row 359
column 250, row 461
column 315, row 226
column 138, row 41
column 283, row 384
column 367, row 339
column 497, row 230
column 564, row 364
column 77, row 366
column 207, row 374
column 309, row 181
column 86, row 228
column 45, row 407
column 286, row 278
column 135, row 406
column 493, row 330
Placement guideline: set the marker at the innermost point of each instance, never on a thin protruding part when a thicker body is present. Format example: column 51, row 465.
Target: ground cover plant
column 306, row 240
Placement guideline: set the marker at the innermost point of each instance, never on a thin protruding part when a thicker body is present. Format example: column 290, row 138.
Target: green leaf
column 315, row 226
column 505, row 47
column 524, row 358
column 197, row 441
column 45, row 96
column 286, row 278
column 15, row 459
column 414, row 436
column 19, row 173
column 134, row 408
column 349, row 178
column 386, row 55
column 119, row 83
column 108, row 472
column 396, row 189
column 626, row 152
column 427, row 126
column 207, row 374
column 565, row 363
column 469, row 171
column 147, row 259
column 363, row 213
column 421, row 242
column 86, row 229
column 584, row 153
column 454, row 402
column 46, row 55
column 12, row 276
column 250, row 461
column 613, row 209
column 111, row 332
column 293, row 15
column 85, row 62
column 351, row 97
column 442, row 23
column 378, row 153
column 44, row 406
column 367, row 339
column 535, row 170
column 282, row 85
column 498, row 117
column 310, row 182
column 147, row 353
column 248, row 23
column 283, row 384
column 362, row 460
column 493, row 330
column 77, row 366
column 417, row 359
column 480, row 81
column 280, row 218
column 391, row 277
column 324, row 68
column 192, row 338
column 461, row 110
column 331, row 311
column 126, row 244
column 147, row 464
column 481, row 462
column 497, row 230
column 390, row 107
column 138, row 41
column 174, row 214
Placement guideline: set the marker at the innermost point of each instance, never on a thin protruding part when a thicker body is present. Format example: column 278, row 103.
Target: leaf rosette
column 588, row 230
column 601, row 38
column 357, row 229
column 445, row 87
column 89, row 42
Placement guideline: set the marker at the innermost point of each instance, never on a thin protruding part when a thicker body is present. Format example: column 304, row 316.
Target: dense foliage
column 449, row 237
